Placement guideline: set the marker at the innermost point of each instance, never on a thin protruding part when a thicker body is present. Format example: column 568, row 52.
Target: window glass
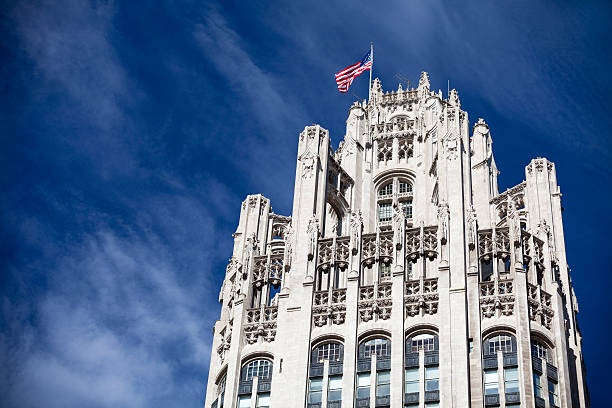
column 386, row 190
column 432, row 405
column 432, row 376
column 501, row 342
column 363, row 385
column 263, row 400
column 553, row 397
column 259, row 368
column 537, row 385
column 244, row 401
column 539, row 350
column 407, row 208
column 405, row 187
column 423, row 342
column 385, row 271
column 383, row 383
column 315, row 390
column 380, row 347
column 412, row 380
column 334, row 392
column 384, row 212
column 511, row 379
column 490, row 382
column 329, row 351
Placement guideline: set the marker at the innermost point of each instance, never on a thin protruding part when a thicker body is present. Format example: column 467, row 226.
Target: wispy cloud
column 122, row 323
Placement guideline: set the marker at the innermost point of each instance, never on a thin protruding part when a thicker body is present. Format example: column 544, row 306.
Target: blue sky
column 131, row 132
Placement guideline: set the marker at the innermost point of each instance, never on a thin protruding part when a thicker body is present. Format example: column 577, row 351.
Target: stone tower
column 402, row 278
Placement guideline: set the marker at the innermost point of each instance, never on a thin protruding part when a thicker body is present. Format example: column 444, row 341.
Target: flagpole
column 371, row 69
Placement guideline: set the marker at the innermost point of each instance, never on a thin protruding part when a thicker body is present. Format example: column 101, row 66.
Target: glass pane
column 512, row 386
column 412, row 374
column 244, row 401
column 412, row 387
column 334, row 395
column 432, row 405
column 316, row 384
column 263, row 400
column 363, row 380
column 536, row 380
column 431, row 385
column 432, row 372
column 363, row 392
column 551, row 386
column 511, row 374
column 335, row 382
column 490, row 376
column 383, row 390
column 315, row 396
column 491, row 389
column 384, row 377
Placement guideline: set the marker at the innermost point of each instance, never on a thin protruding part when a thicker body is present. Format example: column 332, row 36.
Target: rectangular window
column 384, row 212
column 432, row 378
column 385, row 272
column 511, row 380
column 383, row 383
column 432, row 405
column 412, row 380
column 407, row 208
column 553, row 397
column 315, row 390
column 491, row 382
column 334, row 388
column 263, row 400
column 244, row 401
column 363, row 385
column 537, row 385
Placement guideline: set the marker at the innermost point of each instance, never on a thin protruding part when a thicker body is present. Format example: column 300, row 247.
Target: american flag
column 345, row 78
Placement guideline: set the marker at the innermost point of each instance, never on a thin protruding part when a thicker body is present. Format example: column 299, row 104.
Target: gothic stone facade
column 402, row 278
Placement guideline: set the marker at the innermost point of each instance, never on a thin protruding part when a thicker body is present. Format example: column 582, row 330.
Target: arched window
column 332, row 354
column 261, row 369
column 544, row 373
column 500, row 369
column 540, row 350
column 422, row 373
column 374, row 378
column 220, row 393
column 385, row 199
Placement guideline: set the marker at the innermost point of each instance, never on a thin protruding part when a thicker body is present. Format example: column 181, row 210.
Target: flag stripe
column 345, row 78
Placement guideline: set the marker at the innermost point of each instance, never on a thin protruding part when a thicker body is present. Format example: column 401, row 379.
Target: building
column 402, row 278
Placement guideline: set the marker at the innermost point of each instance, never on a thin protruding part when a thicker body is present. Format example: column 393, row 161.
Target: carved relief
column 421, row 297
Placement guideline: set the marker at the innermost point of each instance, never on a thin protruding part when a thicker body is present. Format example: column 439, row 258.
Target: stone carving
column 329, row 307
column 261, row 324
column 356, row 225
column 421, row 297
column 375, row 302
column 225, row 341
column 540, row 305
column 443, row 219
column 313, row 235
column 308, row 166
column 497, row 297
column 399, row 222
column 472, row 227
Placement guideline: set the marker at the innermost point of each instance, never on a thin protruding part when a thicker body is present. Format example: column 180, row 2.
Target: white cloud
column 126, row 319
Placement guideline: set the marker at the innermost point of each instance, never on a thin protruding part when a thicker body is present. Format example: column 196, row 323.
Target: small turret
column 453, row 98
